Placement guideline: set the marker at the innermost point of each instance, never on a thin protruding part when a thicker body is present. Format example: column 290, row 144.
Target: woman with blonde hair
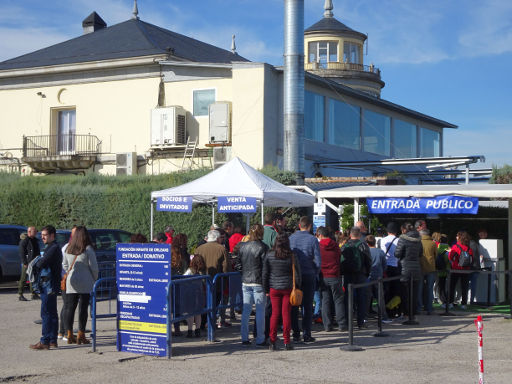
column 79, row 261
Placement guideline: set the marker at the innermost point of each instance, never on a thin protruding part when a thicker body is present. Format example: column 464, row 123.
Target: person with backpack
column 410, row 251
column 461, row 258
column 355, row 266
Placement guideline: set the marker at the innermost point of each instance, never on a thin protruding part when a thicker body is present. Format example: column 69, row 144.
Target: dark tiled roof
column 128, row 39
column 330, row 24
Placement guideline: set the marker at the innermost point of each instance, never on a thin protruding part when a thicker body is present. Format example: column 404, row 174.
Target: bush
column 109, row 202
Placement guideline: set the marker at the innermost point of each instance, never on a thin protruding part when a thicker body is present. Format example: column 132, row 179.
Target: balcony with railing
column 52, row 153
column 337, row 66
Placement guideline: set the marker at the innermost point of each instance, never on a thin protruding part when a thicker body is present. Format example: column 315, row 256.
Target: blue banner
column 174, row 204
column 142, row 273
column 457, row 205
column 227, row 204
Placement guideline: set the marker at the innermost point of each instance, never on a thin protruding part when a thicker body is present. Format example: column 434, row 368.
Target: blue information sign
column 142, row 272
column 430, row 205
column 318, row 221
column 228, row 204
column 174, row 203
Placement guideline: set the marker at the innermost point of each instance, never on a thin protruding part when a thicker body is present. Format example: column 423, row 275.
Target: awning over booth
column 484, row 191
column 236, row 178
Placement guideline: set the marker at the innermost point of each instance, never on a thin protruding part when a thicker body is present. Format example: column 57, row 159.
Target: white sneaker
column 64, row 338
column 387, row 321
column 59, row 336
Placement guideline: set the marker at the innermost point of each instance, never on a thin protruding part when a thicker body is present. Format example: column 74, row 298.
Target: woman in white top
column 79, row 261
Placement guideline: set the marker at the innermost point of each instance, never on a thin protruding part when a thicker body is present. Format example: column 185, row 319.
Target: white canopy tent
column 236, row 178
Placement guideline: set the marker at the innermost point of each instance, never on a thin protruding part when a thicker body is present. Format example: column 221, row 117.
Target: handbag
column 296, row 293
column 65, row 276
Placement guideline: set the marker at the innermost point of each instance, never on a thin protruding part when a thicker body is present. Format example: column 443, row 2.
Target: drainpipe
column 294, row 88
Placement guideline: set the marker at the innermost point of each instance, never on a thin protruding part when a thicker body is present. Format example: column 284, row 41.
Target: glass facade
column 313, row 116
column 202, row 100
column 430, row 143
column 376, row 133
column 349, row 126
column 404, row 139
column 344, row 124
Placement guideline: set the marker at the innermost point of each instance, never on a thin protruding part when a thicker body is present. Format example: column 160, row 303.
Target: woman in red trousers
column 277, row 283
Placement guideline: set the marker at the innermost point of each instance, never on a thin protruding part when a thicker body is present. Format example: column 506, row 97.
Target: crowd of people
column 273, row 264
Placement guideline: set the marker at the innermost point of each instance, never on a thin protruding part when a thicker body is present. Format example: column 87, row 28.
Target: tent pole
column 356, row 210
column 151, row 228
column 213, row 214
column 262, row 213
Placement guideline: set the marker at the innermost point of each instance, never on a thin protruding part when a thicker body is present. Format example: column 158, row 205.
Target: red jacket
column 454, row 255
column 331, row 257
column 169, row 238
column 234, row 239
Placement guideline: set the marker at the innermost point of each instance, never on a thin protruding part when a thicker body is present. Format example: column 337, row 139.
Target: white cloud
column 489, row 29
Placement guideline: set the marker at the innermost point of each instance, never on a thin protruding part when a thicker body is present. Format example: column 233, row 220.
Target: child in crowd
column 197, row 267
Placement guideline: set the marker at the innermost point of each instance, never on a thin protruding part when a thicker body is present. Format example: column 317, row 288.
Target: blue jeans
column 308, row 290
column 317, row 298
column 253, row 294
column 50, row 317
column 427, row 281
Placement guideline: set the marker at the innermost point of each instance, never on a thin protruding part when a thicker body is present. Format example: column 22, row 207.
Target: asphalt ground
column 439, row 349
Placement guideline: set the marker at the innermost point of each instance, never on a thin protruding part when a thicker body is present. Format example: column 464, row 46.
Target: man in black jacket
column 28, row 250
column 49, row 288
column 355, row 268
column 251, row 256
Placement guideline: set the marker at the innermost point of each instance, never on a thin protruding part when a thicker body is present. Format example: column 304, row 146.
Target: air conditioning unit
column 168, row 126
column 220, row 122
column 126, row 163
column 221, row 155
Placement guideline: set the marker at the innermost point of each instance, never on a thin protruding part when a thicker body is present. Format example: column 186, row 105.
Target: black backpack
column 465, row 259
column 352, row 260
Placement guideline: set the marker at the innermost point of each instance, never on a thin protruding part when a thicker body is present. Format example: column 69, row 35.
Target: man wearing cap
column 216, row 260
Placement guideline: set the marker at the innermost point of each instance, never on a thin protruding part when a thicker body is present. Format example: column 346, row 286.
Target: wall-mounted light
column 41, row 94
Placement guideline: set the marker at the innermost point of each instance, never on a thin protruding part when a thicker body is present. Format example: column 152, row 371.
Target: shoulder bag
column 296, row 294
column 65, row 276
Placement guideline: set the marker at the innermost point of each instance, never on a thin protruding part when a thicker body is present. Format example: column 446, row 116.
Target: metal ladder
column 189, row 153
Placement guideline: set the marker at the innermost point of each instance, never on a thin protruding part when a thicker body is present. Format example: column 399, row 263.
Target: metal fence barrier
column 104, row 289
column 187, row 296
column 469, row 272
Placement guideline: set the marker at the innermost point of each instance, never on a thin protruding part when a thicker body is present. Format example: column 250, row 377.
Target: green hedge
column 109, row 202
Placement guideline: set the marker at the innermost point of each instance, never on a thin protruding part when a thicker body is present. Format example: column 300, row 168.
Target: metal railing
column 98, row 294
column 60, row 145
column 343, row 67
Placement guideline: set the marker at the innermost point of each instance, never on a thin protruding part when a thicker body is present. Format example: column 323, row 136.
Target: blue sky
column 450, row 59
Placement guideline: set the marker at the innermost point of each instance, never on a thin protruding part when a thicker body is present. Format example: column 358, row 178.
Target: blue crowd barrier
column 104, row 289
column 187, row 296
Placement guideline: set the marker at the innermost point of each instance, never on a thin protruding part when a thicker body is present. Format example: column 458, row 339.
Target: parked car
column 61, row 237
column 10, row 263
